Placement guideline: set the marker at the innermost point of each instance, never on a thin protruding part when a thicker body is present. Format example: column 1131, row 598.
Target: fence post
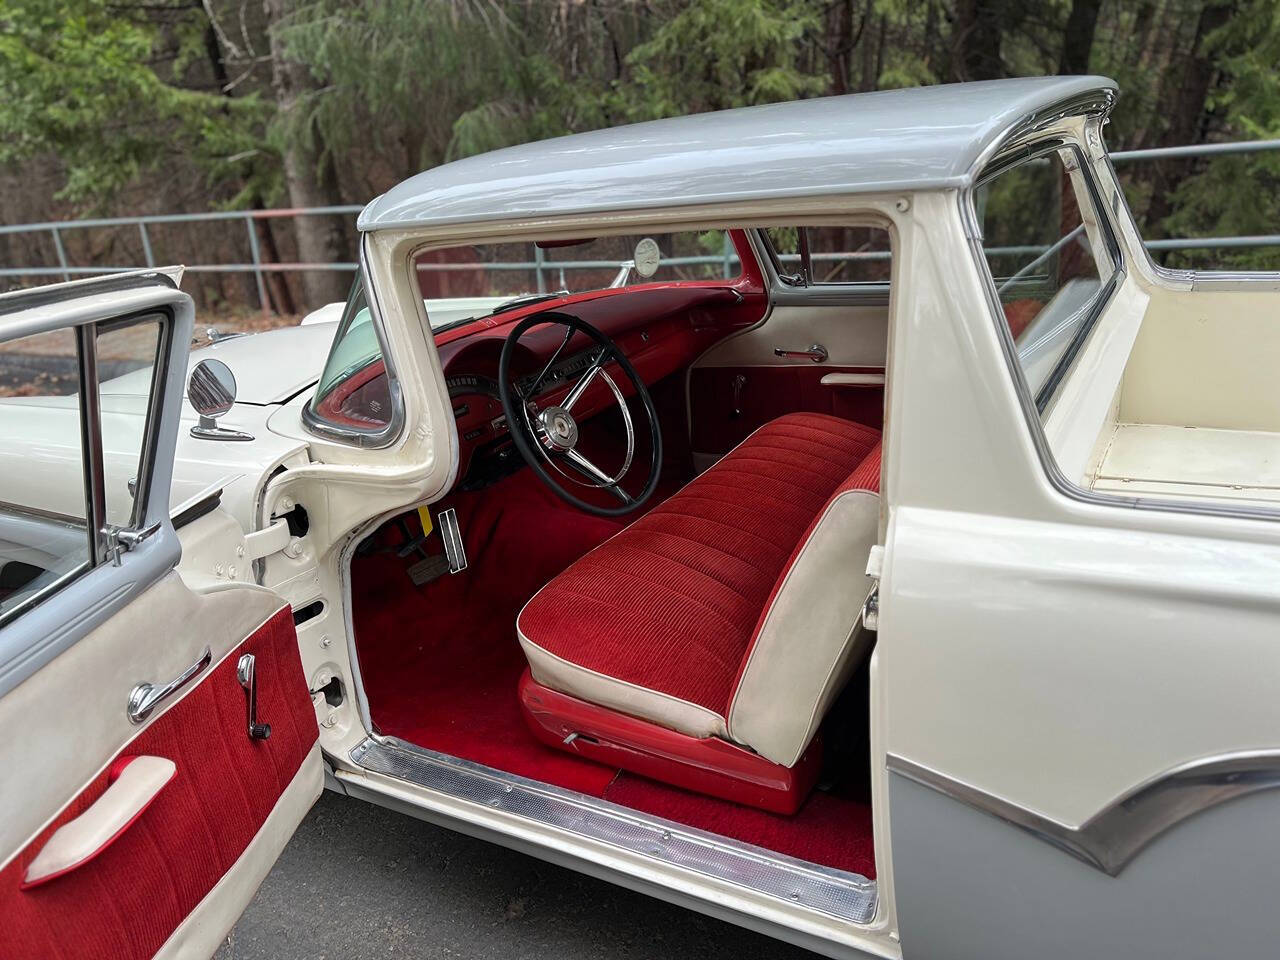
column 146, row 243
column 728, row 253
column 62, row 254
column 537, row 269
column 263, row 302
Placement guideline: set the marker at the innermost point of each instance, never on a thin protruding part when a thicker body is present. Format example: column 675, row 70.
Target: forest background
column 129, row 107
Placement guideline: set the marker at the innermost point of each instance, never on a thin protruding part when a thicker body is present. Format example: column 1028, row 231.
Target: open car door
column 162, row 746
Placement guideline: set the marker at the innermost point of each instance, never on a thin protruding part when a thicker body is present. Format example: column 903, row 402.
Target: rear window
column 1049, row 258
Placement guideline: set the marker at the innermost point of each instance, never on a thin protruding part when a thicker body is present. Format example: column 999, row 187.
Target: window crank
column 739, row 381
column 248, row 678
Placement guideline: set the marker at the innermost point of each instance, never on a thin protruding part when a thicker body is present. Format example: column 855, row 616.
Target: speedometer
column 468, row 383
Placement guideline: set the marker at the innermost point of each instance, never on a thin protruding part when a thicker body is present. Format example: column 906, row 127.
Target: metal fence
column 540, row 266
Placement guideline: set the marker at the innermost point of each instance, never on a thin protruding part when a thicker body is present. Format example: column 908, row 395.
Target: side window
column 835, row 256
column 1049, row 258
column 354, row 393
column 77, row 409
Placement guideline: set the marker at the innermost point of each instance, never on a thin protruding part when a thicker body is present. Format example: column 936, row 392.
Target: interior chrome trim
column 833, row 893
column 1113, row 836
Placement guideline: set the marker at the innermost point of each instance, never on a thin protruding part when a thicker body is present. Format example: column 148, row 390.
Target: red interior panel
column 128, row 900
column 724, row 414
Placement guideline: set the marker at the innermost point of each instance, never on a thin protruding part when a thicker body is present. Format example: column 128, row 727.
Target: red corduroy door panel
column 128, row 900
column 724, row 414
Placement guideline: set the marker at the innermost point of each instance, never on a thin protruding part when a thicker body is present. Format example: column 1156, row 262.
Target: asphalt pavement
column 358, row 881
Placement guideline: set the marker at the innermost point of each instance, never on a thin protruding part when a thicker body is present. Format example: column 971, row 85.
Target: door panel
column 131, row 897
column 726, row 410
column 741, row 383
column 170, row 856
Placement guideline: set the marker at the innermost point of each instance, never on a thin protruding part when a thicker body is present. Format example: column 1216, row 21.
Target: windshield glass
column 460, row 284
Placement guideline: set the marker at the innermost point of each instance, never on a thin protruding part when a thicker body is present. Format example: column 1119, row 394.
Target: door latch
column 248, row 677
column 120, row 540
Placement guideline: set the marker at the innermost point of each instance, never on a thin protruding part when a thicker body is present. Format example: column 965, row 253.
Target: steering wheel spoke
column 547, row 435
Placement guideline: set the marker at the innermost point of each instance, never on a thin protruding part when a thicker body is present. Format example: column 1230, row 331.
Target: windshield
column 460, row 284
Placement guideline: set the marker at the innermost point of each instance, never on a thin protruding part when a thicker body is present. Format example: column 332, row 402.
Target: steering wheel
column 547, row 437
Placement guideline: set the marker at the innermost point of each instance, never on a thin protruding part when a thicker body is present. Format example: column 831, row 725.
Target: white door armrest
column 78, row 841
column 853, row 380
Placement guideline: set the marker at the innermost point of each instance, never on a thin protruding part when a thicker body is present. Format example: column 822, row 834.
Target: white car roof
column 915, row 139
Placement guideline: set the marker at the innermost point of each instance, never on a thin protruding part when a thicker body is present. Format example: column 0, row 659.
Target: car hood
column 269, row 367
column 272, row 366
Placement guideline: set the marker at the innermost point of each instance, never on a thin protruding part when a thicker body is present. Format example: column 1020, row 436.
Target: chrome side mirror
column 211, row 391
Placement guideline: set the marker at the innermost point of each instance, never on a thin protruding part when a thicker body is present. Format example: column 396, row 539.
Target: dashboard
column 660, row 329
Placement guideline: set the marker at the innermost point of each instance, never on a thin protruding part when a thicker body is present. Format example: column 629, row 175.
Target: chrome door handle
column 147, row 696
column 816, row 352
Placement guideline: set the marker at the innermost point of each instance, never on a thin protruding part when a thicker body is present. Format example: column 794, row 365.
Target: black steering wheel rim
column 514, row 408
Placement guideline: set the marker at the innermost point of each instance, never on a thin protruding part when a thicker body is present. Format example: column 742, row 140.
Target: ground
column 359, row 881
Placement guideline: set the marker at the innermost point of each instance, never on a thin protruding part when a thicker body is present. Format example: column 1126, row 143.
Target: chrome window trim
column 89, row 409
column 373, row 439
column 1110, row 838
column 1006, row 162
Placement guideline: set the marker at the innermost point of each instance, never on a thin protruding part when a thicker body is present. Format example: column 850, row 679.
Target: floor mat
column 440, row 665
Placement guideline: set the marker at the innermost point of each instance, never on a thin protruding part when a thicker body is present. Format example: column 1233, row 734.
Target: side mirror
column 211, row 391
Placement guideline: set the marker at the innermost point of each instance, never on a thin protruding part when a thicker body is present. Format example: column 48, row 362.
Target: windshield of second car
column 466, row 283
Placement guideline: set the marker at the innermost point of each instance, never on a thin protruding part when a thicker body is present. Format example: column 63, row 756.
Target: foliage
column 115, row 91
column 84, row 81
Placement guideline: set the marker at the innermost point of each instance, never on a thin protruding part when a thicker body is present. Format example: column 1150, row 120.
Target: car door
column 820, row 349
column 162, row 743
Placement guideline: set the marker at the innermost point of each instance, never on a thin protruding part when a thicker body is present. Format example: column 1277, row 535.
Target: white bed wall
column 1206, row 358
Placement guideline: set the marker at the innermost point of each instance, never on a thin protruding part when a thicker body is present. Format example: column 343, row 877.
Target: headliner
column 923, row 138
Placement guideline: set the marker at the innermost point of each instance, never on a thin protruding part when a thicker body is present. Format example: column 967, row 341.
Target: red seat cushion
column 670, row 603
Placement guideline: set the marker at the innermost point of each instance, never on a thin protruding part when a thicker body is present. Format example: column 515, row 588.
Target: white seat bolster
column 811, row 638
column 629, row 698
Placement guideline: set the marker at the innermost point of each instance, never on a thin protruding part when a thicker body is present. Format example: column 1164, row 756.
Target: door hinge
column 871, row 606
column 120, row 540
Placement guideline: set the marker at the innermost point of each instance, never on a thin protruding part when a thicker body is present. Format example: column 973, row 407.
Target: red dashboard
column 660, row 327
column 660, row 330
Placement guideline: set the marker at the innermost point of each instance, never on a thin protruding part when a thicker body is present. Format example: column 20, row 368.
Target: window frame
column 360, row 438
column 1043, row 398
column 803, row 281
column 102, row 538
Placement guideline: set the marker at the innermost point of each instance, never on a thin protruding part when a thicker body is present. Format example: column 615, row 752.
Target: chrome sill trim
column 834, row 893
column 1113, row 836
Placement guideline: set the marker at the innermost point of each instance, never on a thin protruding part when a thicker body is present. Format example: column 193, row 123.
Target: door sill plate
column 835, row 893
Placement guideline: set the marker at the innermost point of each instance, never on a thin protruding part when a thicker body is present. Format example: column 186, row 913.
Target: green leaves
column 82, row 81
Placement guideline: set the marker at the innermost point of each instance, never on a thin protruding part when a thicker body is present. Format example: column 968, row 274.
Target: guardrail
column 540, row 266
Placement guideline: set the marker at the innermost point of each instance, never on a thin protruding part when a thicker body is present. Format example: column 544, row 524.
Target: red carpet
column 440, row 665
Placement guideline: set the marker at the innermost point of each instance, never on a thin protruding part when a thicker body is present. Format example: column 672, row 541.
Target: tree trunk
column 976, row 38
column 1077, row 39
column 309, row 173
column 1187, row 114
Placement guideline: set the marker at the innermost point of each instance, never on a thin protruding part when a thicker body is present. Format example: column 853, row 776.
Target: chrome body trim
column 1113, row 836
column 833, row 893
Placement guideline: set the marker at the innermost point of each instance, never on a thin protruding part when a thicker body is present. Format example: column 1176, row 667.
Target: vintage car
column 823, row 515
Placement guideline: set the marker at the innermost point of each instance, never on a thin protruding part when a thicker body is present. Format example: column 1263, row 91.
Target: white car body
column 1074, row 727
